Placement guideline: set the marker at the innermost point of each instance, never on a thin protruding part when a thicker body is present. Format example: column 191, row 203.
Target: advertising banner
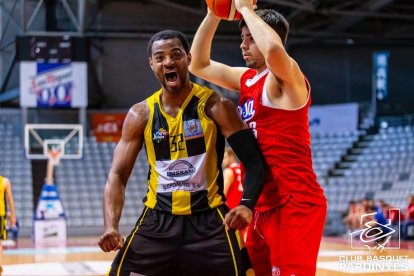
column 107, row 127
column 380, row 75
column 57, row 85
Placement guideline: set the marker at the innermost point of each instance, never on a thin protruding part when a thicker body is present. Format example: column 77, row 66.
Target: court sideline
column 82, row 257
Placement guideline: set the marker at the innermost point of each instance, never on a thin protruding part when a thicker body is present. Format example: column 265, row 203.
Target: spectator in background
column 360, row 209
column 409, row 222
column 391, row 212
column 356, row 212
column 351, row 219
column 410, row 208
column 380, row 232
column 370, row 205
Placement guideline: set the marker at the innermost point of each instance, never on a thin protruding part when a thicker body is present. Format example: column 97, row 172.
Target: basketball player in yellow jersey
column 5, row 194
column 185, row 228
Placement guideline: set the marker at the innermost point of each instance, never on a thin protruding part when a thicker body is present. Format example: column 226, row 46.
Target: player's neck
column 171, row 102
column 261, row 69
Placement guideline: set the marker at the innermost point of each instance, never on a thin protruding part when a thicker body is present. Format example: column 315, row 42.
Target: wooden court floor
column 82, row 257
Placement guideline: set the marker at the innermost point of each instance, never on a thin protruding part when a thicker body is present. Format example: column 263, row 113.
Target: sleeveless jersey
column 284, row 139
column 235, row 191
column 410, row 211
column 184, row 155
column 2, row 198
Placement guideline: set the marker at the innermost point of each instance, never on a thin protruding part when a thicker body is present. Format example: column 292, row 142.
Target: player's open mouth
column 171, row 76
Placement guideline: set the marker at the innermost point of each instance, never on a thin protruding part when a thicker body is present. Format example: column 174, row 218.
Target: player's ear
column 189, row 57
column 150, row 62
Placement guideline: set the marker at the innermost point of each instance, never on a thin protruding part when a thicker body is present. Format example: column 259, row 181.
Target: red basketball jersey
column 284, row 139
column 410, row 212
column 235, row 191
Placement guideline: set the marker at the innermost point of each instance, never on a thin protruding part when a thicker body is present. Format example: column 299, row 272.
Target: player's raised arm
column 203, row 67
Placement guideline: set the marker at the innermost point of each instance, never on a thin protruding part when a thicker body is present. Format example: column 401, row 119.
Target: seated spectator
column 408, row 224
column 380, row 231
column 391, row 212
column 351, row 219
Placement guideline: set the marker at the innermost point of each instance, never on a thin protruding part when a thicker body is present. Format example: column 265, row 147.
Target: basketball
column 225, row 9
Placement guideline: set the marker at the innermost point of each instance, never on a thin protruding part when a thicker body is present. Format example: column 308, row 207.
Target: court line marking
column 52, row 251
column 87, row 268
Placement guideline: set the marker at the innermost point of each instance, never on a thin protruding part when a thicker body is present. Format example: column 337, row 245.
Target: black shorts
column 187, row 245
column 3, row 232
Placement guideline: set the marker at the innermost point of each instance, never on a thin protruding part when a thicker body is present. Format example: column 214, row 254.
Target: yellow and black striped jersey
column 2, row 198
column 184, row 155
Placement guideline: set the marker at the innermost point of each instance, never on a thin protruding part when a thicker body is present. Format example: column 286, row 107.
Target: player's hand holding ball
column 227, row 9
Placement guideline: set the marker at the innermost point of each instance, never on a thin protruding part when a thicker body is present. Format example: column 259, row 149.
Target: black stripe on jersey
column 164, row 201
column 160, row 136
column 199, row 199
column 195, row 145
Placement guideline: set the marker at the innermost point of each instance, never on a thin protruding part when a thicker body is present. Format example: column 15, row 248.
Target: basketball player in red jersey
column 287, row 227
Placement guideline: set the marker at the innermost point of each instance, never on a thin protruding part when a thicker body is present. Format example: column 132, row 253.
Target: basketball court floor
column 82, row 257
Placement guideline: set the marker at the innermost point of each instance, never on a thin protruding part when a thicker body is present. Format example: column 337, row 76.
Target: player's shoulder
column 4, row 180
column 138, row 113
column 234, row 165
column 141, row 107
column 217, row 102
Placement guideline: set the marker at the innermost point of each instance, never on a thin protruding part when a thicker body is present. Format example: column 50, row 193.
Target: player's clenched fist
column 111, row 240
column 238, row 218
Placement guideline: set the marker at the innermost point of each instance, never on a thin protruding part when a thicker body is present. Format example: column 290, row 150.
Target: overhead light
column 349, row 41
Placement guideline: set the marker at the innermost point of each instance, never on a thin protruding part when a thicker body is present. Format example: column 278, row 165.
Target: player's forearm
column 10, row 203
column 12, row 212
column 201, row 45
column 245, row 145
column 114, row 198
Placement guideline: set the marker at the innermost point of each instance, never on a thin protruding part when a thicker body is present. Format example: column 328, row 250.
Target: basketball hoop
column 54, row 155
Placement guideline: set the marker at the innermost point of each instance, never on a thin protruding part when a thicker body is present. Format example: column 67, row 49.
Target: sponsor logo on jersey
column 192, row 128
column 247, row 110
column 160, row 135
column 180, row 171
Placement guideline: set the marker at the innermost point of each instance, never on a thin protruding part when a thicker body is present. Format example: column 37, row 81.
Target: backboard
column 40, row 138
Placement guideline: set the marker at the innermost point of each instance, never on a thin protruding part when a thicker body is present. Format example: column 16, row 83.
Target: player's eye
column 159, row 58
column 177, row 55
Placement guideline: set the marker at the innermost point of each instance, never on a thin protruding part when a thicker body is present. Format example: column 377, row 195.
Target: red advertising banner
column 107, row 127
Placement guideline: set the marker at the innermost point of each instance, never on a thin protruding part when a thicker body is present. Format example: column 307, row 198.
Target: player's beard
column 255, row 63
column 251, row 64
